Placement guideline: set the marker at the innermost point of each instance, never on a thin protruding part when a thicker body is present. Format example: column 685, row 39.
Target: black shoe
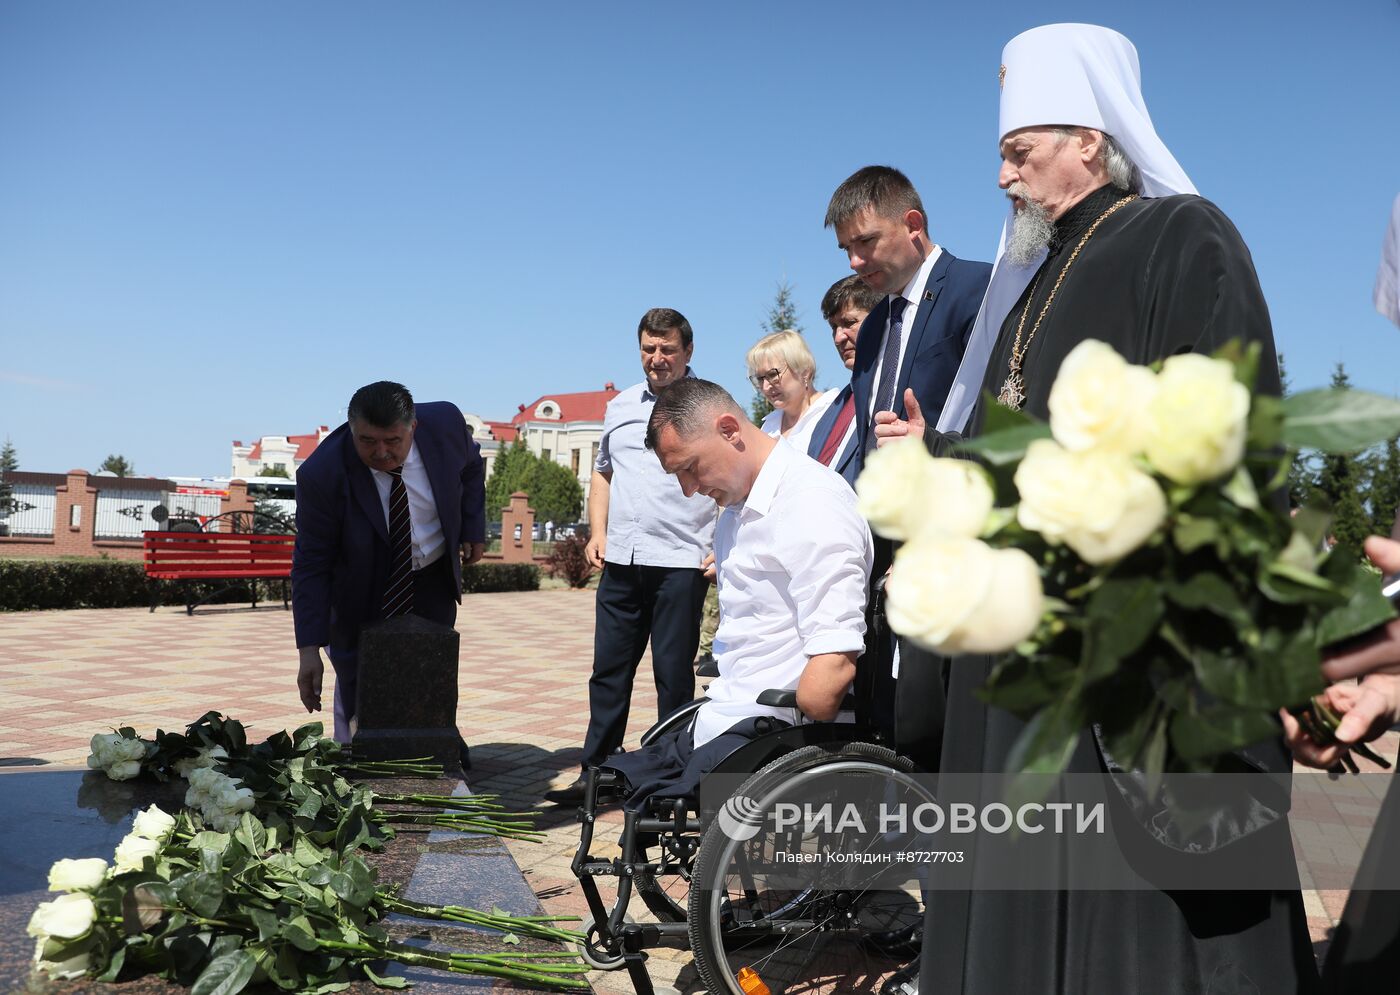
column 898, row 944
column 571, row 794
column 707, row 666
column 902, row 982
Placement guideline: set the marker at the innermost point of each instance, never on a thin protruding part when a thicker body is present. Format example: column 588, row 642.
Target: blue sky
column 217, row 219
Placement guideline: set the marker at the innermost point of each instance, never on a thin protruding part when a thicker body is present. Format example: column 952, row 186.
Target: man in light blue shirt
column 649, row 540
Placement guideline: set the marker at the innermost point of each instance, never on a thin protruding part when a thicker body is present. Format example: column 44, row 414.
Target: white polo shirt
column 793, row 565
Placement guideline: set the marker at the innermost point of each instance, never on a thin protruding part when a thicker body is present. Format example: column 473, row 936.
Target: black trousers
column 636, row 604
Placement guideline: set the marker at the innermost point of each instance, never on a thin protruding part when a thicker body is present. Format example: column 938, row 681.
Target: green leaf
column 1265, row 423
column 1240, row 490
column 1339, row 421
column 1007, row 446
column 210, row 840
column 1190, row 533
column 1365, row 610
column 1044, row 748
column 251, row 834
column 300, row 933
column 226, row 974
column 1123, row 613
column 1210, row 592
column 114, row 965
column 203, row 893
column 999, row 418
column 384, row 981
column 1203, row 735
column 266, row 922
column 307, row 854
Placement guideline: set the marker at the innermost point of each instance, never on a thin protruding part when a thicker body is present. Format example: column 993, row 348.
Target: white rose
column 124, row 770
column 67, row 917
column 73, row 966
column 132, row 853
column 891, row 489
column 956, row 595
column 101, row 746
column 958, row 498
column 86, row 874
column 1099, row 401
column 1198, row 419
column 129, row 749
column 1097, row 503
column 153, row 824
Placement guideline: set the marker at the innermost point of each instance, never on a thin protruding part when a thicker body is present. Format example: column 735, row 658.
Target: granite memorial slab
column 406, row 705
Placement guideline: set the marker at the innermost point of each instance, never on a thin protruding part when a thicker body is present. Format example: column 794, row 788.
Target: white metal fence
column 31, row 510
column 125, row 514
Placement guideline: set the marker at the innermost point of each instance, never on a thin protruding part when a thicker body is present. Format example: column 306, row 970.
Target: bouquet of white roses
column 1130, row 560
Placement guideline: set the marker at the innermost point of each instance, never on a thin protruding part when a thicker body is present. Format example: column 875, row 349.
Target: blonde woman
column 782, row 367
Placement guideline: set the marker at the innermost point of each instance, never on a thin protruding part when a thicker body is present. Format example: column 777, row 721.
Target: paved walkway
column 523, row 708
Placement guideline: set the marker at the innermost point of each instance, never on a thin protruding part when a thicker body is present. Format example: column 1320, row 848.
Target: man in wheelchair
column 793, row 561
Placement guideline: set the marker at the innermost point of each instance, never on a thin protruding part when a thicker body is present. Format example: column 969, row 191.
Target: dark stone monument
column 406, row 705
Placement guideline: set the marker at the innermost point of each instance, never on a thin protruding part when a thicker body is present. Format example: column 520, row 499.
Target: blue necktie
column 889, row 365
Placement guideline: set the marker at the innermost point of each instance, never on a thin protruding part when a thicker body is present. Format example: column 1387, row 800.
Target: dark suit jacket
column 845, row 461
column 937, row 338
column 341, row 561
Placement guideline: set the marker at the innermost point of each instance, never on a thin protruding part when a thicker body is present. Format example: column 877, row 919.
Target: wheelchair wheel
column 668, row 895
column 802, row 929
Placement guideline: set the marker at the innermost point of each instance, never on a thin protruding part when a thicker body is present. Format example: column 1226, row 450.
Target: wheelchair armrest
column 680, row 717
column 784, row 698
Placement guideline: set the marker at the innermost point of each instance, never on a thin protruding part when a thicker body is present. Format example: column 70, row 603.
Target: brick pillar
column 518, row 519
column 236, row 500
column 74, row 516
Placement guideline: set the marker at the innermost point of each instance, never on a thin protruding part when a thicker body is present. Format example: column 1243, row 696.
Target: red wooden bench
column 206, row 556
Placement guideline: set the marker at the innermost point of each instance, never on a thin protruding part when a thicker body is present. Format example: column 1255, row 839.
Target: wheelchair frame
column 613, row 940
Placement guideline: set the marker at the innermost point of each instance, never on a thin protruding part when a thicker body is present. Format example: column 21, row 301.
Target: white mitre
column 1388, row 275
column 1078, row 75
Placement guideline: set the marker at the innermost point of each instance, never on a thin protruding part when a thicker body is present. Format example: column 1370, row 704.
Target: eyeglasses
column 772, row 376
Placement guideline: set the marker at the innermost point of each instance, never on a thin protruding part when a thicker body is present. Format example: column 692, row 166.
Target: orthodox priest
column 1106, row 239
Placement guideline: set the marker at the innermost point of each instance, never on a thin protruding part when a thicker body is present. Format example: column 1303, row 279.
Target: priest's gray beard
column 1031, row 229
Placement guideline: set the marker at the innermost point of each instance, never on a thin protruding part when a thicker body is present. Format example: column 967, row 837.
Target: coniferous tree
column 1343, row 481
column 9, row 463
column 118, row 465
column 782, row 316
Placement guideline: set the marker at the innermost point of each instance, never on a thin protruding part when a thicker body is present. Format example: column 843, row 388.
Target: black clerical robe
column 1158, row 277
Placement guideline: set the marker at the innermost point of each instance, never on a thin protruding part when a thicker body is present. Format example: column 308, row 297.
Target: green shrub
column 27, row 585
column 489, row 578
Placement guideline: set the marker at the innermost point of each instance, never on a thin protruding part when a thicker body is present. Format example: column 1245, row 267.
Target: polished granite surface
column 52, row 812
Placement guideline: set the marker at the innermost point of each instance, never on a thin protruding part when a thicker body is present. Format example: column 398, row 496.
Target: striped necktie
column 889, row 365
column 398, row 595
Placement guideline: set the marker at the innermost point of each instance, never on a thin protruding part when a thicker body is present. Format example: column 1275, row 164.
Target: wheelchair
column 753, row 929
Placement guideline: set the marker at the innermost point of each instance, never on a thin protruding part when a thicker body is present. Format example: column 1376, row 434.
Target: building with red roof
column 285, row 452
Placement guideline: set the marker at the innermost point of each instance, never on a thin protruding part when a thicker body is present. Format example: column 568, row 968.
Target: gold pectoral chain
column 1013, row 392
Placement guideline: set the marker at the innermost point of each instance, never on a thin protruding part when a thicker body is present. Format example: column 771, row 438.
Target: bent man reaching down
column 793, row 561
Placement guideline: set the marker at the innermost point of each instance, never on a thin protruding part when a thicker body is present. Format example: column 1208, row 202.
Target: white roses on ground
column 153, row 824
column 86, row 874
column 116, row 756
column 54, row 925
column 1091, row 487
column 221, row 799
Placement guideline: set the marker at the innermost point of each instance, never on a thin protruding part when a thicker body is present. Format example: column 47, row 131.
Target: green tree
column 9, row 463
column 555, row 493
column 1385, row 487
column 277, row 470
column 782, row 316
column 1343, row 480
column 118, row 465
column 1302, row 477
column 509, row 473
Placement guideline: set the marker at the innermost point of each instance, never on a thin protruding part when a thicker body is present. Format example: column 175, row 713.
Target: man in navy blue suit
column 834, row 442
column 389, row 507
column 913, row 340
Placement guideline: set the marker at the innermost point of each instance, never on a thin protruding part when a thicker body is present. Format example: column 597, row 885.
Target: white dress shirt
column 650, row 520
column 912, row 293
column 422, row 509
column 793, row 564
column 801, row 435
